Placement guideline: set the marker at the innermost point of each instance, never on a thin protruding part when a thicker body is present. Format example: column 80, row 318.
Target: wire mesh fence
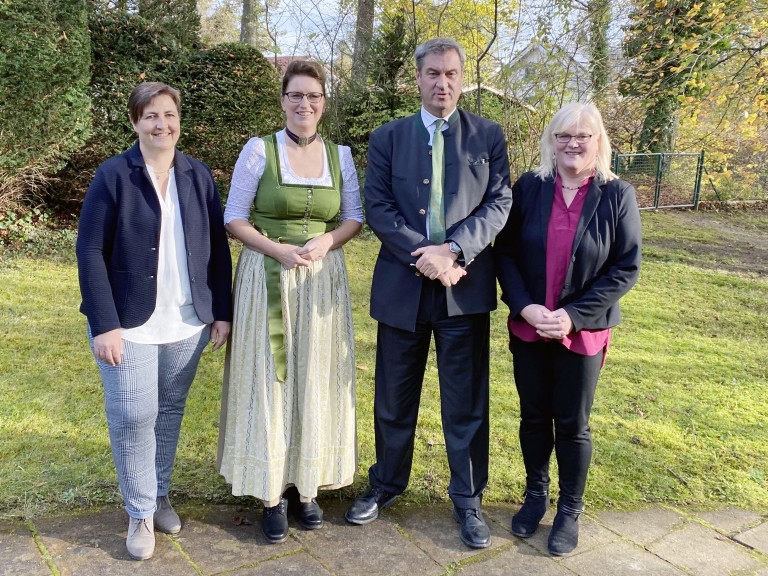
column 662, row 180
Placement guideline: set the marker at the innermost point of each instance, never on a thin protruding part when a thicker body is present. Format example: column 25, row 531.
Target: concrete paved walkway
column 409, row 540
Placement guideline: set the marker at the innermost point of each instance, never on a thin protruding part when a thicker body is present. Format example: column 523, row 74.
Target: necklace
column 161, row 173
column 301, row 140
column 564, row 187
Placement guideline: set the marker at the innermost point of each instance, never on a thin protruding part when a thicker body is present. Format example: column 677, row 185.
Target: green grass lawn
column 681, row 412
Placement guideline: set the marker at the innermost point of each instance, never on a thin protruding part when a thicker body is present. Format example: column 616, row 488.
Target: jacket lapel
column 594, row 193
column 183, row 171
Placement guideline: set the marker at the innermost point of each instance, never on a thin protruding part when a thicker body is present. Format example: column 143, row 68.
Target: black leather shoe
column 310, row 515
column 473, row 530
column 274, row 522
column 564, row 536
column 527, row 519
column 365, row 509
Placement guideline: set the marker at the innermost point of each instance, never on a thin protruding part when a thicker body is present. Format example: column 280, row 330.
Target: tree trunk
column 660, row 125
column 249, row 23
column 363, row 36
column 599, row 66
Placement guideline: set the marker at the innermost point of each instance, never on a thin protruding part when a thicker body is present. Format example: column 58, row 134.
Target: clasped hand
column 437, row 262
column 315, row 249
column 556, row 325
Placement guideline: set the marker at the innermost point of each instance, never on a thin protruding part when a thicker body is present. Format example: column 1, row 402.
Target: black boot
column 527, row 519
column 564, row 536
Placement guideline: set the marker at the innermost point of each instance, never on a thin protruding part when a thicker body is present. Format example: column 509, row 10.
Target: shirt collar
column 429, row 119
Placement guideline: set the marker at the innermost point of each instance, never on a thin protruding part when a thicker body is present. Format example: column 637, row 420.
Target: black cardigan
column 605, row 257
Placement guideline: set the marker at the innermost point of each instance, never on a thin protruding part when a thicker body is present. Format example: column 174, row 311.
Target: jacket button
column 573, row 258
column 418, row 273
column 430, row 152
column 154, row 249
column 422, row 211
column 151, row 277
column 425, row 181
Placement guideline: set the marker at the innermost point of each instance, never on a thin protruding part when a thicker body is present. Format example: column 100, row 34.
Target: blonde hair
column 567, row 117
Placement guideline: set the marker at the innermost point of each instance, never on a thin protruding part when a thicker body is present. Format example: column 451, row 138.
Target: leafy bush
column 126, row 49
column 230, row 94
column 44, row 106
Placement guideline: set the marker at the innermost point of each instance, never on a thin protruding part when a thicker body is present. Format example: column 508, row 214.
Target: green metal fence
column 662, row 180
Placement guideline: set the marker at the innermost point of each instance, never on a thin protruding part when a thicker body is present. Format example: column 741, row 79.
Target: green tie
column 436, row 205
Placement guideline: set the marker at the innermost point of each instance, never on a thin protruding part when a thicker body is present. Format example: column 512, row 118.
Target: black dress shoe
column 274, row 522
column 310, row 515
column 473, row 530
column 365, row 509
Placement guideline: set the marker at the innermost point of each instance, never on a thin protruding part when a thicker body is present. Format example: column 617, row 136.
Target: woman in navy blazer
column 155, row 276
column 569, row 251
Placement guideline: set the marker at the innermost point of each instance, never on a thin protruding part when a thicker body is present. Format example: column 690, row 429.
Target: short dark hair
column 145, row 92
column 438, row 46
column 304, row 68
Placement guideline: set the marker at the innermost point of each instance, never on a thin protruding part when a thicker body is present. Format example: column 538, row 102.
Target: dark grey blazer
column 605, row 257
column 477, row 201
column 118, row 237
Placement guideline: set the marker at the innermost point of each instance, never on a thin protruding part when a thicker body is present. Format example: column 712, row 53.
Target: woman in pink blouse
column 569, row 251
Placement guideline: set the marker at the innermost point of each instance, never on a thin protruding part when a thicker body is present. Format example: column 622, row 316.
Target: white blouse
column 250, row 167
column 174, row 317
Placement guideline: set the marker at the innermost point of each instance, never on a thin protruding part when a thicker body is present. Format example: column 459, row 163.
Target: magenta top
column 560, row 233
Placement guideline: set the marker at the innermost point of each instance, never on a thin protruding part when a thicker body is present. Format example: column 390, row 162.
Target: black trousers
column 461, row 344
column 556, row 389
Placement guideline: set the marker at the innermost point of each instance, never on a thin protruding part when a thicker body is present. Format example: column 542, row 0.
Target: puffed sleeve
column 245, row 180
column 351, row 205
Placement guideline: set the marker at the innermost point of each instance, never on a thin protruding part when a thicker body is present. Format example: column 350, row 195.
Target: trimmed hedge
column 44, row 106
column 127, row 49
column 230, row 93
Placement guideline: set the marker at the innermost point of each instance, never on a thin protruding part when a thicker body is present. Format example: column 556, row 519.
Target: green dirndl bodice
column 291, row 214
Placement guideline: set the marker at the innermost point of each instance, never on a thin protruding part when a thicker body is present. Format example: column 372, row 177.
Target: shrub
column 126, row 50
column 230, row 94
column 44, row 106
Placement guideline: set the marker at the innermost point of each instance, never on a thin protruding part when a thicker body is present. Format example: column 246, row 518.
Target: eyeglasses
column 296, row 97
column 566, row 138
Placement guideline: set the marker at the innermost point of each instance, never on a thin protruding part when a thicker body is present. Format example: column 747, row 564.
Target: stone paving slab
column 642, row 526
column 756, row 538
column 94, row 545
column 703, row 551
column 18, row 552
column 300, row 563
column 513, row 560
column 410, row 540
column 379, row 546
column 221, row 538
column 620, row 558
column 730, row 520
column 434, row 531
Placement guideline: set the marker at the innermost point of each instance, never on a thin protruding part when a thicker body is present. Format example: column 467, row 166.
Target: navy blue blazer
column 119, row 235
column 477, row 201
column 605, row 257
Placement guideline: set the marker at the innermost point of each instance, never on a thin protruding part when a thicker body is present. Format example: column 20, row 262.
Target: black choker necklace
column 300, row 140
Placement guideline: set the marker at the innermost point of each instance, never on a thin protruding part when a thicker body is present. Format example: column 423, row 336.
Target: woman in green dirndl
column 288, row 408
